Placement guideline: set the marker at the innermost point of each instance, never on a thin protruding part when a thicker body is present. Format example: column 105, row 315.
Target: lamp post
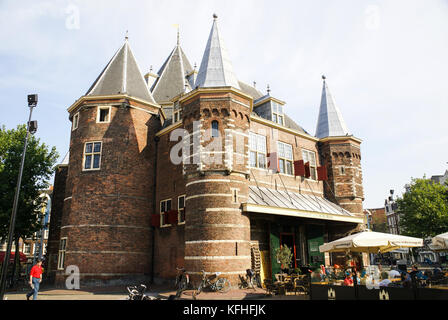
column 31, row 128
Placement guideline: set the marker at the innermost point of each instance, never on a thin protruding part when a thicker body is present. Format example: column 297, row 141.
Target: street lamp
column 31, row 128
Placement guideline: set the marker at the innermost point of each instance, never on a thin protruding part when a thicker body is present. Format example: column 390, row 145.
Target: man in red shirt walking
column 35, row 280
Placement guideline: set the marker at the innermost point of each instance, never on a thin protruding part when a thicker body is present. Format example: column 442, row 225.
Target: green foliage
column 38, row 168
column 284, row 255
column 424, row 209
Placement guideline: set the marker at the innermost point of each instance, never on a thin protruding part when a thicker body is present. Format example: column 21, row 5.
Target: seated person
column 406, row 280
column 394, row 273
column 385, row 281
column 348, row 281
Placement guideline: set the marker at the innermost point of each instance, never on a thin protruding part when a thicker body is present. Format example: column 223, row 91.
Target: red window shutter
column 155, row 220
column 307, row 170
column 322, row 173
column 299, row 168
column 171, row 217
column 273, row 161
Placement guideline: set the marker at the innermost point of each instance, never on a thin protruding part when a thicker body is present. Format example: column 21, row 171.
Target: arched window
column 215, row 128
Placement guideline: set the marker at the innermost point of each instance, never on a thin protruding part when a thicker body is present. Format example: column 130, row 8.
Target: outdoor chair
column 270, row 287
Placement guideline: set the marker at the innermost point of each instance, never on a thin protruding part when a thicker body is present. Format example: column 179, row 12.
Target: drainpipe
column 153, row 229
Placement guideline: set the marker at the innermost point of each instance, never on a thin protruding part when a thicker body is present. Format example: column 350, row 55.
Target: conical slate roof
column 216, row 70
column 330, row 122
column 171, row 81
column 121, row 76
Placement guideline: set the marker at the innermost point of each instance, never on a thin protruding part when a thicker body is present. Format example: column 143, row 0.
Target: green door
column 315, row 238
column 274, row 240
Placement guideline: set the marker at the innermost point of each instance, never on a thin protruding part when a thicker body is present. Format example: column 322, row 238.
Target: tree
column 424, row 209
column 38, row 168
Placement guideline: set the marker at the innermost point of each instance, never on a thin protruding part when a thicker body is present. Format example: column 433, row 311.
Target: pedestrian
column 35, row 280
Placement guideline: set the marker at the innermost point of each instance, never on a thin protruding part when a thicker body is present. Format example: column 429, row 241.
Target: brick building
column 196, row 168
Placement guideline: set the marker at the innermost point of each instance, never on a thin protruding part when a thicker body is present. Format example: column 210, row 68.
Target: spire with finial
column 330, row 122
column 255, row 84
column 178, row 36
column 126, row 36
column 216, row 69
column 268, row 89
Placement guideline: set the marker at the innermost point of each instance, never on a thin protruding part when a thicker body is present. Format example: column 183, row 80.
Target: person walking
column 35, row 280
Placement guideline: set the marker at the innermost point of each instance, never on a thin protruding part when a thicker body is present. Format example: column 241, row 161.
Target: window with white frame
column 75, row 121
column 27, row 248
column 92, row 155
column 46, row 234
column 181, row 209
column 257, row 146
column 165, row 206
column 277, row 113
column 177, row 116
column 61, row 254
column 103, row 114
column 285, row 158
column 310, row 156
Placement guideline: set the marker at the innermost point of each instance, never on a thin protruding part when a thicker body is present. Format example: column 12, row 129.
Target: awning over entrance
column 270, row 201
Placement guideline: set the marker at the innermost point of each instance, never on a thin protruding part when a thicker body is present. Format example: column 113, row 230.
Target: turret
column 216, row 116
column 341, row 154
column 105, row 226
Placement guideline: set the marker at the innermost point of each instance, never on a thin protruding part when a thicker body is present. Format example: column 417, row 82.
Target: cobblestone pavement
column 119, row 293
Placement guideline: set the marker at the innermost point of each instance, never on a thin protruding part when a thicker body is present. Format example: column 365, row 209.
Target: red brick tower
column 216, row 116
column 341, row 154
column 105, row 226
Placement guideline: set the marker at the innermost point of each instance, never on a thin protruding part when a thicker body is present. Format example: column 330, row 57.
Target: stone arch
column 347, row 154
column 341, row 154
column 225, row 112
column 235, row 115
column 241, row 115
column 215, row 112
column 335, row 155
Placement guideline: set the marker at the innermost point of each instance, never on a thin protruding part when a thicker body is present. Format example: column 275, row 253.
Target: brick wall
column 106, row 216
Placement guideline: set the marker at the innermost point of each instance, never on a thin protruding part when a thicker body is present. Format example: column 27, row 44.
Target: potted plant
column 284, row 256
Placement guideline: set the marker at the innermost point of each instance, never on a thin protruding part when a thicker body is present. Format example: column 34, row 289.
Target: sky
column 385, row 64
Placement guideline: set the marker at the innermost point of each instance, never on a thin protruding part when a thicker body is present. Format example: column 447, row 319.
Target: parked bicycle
column 219, row 285
column 248, row 281
column 138, row 293
column 182, row 281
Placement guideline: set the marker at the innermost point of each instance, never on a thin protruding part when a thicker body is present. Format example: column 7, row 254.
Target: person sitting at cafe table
column 348, row 281
column 385, row 281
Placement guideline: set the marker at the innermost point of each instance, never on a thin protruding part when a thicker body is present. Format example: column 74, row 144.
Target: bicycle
column 221, row 285
column 247, row 282
column 182, row 281
column 138, row 293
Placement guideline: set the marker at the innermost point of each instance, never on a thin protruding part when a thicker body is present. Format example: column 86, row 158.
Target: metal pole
column 14, row 212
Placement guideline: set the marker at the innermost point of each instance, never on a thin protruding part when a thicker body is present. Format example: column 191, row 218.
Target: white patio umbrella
column 371, row 242
column 440, row 242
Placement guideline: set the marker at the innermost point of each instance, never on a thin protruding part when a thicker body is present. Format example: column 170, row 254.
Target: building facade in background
column 196, row 168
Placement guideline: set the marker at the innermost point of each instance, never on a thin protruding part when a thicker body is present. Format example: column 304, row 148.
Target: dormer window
column 277, row 113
